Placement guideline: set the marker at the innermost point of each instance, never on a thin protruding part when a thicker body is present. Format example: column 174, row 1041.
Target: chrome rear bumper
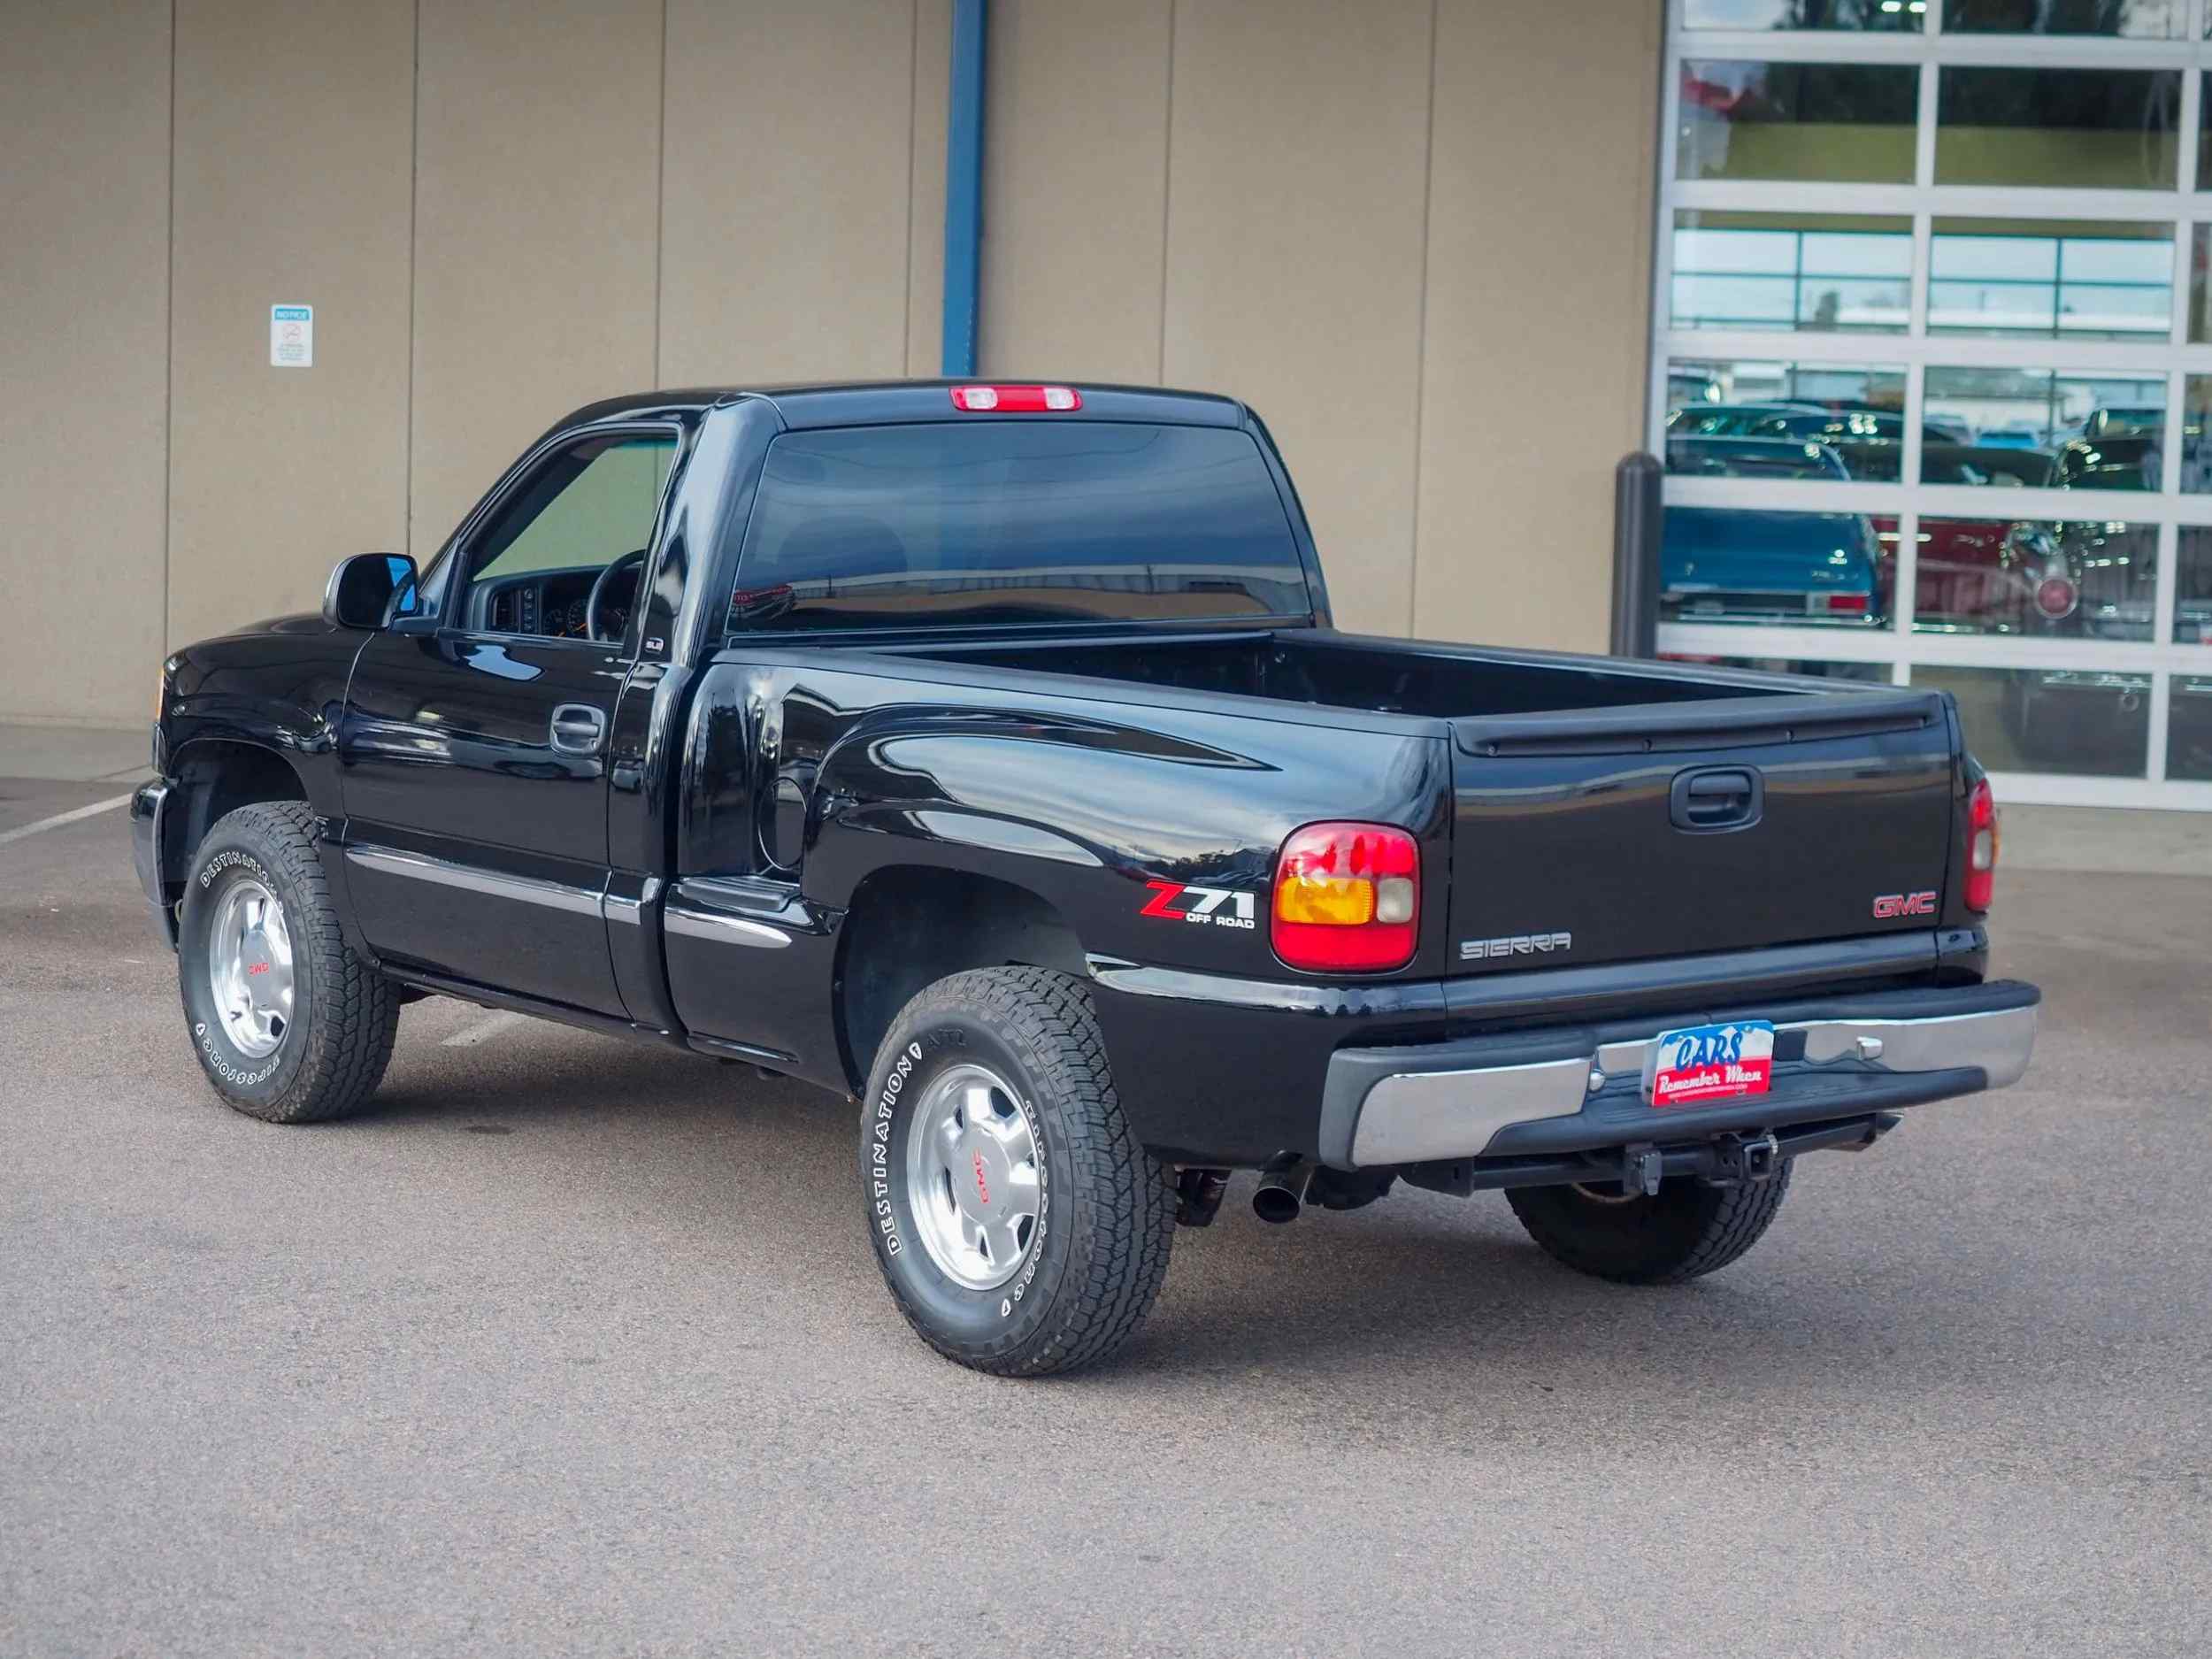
column 1413, row 1105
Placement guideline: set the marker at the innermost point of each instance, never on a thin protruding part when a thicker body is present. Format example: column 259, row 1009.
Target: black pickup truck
column 985, row 754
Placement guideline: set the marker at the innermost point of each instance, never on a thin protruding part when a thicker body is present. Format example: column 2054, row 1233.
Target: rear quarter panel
column 827, row 775
column 830, row 774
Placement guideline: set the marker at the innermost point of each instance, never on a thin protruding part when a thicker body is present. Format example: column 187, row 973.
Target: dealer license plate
column 1709, row 1062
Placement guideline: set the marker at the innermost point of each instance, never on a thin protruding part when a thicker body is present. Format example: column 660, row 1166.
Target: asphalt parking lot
column 572, row 1346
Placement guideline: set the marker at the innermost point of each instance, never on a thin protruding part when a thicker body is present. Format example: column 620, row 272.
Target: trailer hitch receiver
column 1739, row 1160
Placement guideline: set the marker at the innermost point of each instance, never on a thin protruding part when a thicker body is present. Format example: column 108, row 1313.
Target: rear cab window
column 1010, row 522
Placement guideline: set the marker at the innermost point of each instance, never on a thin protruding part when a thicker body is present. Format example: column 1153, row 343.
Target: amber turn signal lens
column 1325, row 901
column 1347, row 897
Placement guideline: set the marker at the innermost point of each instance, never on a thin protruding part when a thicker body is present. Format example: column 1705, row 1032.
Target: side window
column 587, row 509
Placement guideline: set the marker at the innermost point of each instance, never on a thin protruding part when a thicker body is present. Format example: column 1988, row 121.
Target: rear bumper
column 147, row 804
column 1547, row 1094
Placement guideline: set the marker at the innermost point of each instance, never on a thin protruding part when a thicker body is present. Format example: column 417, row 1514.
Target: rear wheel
column 1020, row 1227
column 1685, row 1230
column 286, row 1022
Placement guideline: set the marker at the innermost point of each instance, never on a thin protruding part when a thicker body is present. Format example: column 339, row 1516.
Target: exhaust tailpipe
column 1281, row 1195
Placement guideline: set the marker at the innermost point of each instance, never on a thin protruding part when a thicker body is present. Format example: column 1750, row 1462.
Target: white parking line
column 490, row 1026
column 60, row 818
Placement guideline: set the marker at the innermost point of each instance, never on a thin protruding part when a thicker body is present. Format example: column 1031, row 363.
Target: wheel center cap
column 985, row 1169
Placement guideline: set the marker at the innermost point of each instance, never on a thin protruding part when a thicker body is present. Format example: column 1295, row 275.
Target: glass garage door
column 1933, row 363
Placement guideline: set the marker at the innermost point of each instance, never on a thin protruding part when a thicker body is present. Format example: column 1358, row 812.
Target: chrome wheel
column 250, row 968
column 972, row 1177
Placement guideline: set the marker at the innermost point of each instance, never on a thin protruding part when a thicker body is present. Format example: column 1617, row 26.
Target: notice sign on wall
column 291, row 336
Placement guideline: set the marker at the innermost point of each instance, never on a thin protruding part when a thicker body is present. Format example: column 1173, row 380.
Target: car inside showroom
column 1925, row 275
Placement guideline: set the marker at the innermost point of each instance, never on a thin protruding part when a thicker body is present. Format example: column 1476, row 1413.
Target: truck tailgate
column 1608, row 834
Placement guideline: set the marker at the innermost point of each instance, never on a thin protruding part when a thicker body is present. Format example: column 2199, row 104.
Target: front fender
column 281, row 689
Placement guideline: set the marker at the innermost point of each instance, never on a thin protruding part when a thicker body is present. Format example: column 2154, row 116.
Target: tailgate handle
column 1716, row 798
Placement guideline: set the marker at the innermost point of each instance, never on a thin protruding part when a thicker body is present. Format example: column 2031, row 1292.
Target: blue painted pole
column 964, row 186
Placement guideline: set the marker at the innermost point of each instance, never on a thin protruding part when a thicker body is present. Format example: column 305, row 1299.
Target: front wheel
column 1021, row 1228
column 286, row 1022
column 1685, row 1230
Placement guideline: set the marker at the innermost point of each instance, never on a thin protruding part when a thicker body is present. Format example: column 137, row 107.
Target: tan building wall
column 292, row 184
column 84, row 358
column 1417, row 238
column 1414, row 236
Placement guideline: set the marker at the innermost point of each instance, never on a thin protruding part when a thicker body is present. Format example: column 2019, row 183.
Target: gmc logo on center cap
column 1904, row 904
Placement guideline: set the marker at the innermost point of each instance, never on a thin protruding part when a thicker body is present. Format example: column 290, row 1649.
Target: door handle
column 579, row 728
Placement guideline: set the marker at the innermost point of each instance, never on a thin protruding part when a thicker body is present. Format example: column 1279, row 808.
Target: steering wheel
column 631, row 562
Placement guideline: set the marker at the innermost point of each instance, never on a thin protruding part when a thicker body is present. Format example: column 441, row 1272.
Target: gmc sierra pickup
column 985, row 754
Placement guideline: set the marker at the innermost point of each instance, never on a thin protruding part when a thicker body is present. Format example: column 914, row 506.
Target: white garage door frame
column 1895, row 646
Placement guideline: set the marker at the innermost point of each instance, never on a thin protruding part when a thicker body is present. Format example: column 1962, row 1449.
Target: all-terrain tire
column 1098, row 1250
column 1683, row 1231
column 332, row 1053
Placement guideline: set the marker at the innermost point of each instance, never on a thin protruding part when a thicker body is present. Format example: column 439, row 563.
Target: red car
column 1988, row 575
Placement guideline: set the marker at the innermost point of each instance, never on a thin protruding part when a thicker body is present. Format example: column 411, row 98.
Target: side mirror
column 368, row 590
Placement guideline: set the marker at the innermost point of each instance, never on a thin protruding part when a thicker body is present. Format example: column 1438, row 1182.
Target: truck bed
column 1326, row 668
column 1606, row 811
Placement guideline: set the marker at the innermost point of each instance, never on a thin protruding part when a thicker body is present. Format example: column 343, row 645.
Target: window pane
column 2196, row 453
column 2200, row 293
column 2063, row 580
column 2189, row 729
column 2204, row 143
column 2039, row 428
column 1885, row 15
column 1756, row 419
column 2095, row 579
column 588, row 507
column 1735, row 270
column 1722, row 564
column 1828, row 121
column 1864, row 673
column 1014, row 521
column 2192, row 589
column 2068, row 279
column 2083, row 128
column 2138, row 19
column 2050, row 719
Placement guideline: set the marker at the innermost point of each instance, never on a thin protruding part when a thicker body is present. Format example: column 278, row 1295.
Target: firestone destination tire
column 1020, row 1227
column 288, row 1024
column 1683, row 1231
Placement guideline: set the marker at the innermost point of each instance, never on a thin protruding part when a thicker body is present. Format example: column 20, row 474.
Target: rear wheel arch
column 910, row 925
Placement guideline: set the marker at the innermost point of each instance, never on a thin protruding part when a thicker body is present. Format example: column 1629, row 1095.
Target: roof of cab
column 874, row 402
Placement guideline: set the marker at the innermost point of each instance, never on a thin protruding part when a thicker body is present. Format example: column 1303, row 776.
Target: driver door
column 474, row 742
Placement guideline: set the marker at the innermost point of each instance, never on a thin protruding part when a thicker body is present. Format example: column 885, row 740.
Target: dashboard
column 553, row 605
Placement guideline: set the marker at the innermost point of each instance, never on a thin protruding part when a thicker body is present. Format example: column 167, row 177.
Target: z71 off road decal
column 1216, row 907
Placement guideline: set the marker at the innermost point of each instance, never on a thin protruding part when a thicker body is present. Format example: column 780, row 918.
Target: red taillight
column 1981, row 846
column 1855, row 605
column 1347, row 896
column 1016, row 400
column 2055, row 597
